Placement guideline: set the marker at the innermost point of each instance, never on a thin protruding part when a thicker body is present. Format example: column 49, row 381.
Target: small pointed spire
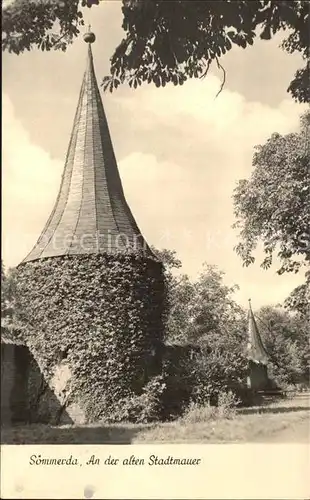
column 256, row 349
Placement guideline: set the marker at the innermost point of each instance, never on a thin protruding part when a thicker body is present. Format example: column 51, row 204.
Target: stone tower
column 91, row 214
column 91, row 292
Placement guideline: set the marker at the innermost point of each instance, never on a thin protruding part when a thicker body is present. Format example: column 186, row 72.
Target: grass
column 278, row 420
column 240, row 428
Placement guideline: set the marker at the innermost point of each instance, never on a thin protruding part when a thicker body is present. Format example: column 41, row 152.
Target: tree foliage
column 286, row 338
column 211, row 319
column 299, row 299
column 197, row 307
column 173, row 41
column 48, row 24
column 8, row 324
column 204, row 319
column 3, row 291
column 203, row 313
column 273, row 205
column 202, row 307
column 165, row 41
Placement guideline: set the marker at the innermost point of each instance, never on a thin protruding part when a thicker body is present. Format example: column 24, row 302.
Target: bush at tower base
column 94, row 324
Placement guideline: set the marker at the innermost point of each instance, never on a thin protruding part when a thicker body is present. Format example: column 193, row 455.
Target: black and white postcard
column 155, row 271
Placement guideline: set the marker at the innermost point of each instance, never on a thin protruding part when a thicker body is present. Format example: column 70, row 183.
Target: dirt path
column 299, row 432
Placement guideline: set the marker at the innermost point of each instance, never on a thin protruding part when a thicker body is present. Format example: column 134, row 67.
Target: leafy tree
column 3, row 292
column 218, row 325
column 203, row 315
column 165, row 41
column 171, row 263
column 169, row 259
column 196, row 308
column 287, row 341
column 179, row 322
column 273, row 206
column 47, row 24
column 221, row 366
column 213, row 308
column 7, row 302
column 299, row 300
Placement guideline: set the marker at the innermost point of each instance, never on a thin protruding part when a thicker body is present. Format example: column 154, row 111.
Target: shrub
column 204, row 375
column 226, row 408
column 221, row 368
column 196, row 413
column 143, row 408
column 227, row 404
column 179, row 378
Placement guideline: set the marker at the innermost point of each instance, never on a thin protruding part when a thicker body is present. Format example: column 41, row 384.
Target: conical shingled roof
column 91, row 214
column 256, row 349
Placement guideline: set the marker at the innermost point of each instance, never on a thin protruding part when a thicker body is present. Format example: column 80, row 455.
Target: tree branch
column 224, row 76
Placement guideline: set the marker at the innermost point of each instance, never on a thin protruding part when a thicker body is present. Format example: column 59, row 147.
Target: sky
column 180, row 150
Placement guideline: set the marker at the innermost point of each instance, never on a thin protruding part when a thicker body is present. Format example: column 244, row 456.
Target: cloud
column 197, row 100
column 30, row 183
column 212, row 139
column 182, row 193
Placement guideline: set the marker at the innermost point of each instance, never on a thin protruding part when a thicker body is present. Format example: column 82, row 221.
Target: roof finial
column 250, row 303
column 89, row 36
